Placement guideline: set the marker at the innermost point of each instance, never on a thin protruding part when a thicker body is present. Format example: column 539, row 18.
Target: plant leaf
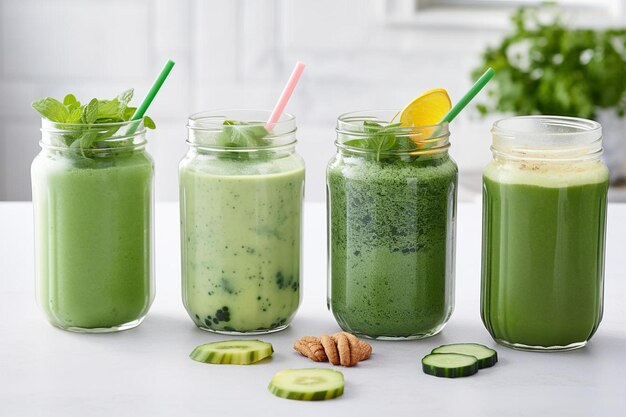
column 129, row 112
column 90, row 112
column 88, row 139
column 240, row 135
column 124, row 98
column 110, row 109
column 71, row 103
column 566, row 71
column 74, row 116
column 79, row 136
column 149, row 123
column 51, row 109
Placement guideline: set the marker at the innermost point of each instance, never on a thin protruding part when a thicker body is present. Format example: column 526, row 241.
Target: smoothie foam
column 550, row 175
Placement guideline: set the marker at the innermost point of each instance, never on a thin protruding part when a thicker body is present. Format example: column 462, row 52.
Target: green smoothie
column 543, row 252
column 240, row 230
column 93, row 238
column 391, row 242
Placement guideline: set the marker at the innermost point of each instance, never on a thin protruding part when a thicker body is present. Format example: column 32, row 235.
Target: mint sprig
column 237, row 134
column 242, row 135
column 78, row 119
column 382, row 139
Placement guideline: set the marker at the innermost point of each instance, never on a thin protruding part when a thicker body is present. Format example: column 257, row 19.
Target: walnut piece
column 341, row 348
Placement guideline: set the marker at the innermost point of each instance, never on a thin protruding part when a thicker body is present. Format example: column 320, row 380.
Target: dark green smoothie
column 391, row 243
column 543, row 254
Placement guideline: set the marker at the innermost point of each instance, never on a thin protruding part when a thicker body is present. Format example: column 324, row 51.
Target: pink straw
column 284, row 96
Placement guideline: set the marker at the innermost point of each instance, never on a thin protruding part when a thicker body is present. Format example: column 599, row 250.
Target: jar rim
column 58, row 127
column 213, row 119
column 584, row 130
column 433, row 139
column 351, row 119
column 120, row 136
column 205, row 127
column 547, row 138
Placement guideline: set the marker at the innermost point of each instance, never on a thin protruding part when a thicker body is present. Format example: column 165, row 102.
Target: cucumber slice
column 449, row 365
column 486, row 357
column 309, row 384
column 237, row 352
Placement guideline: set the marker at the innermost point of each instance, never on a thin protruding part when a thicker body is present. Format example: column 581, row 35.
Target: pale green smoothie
column 240, row 231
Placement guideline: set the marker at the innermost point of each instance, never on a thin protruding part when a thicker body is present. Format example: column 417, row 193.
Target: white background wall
column 232, row 53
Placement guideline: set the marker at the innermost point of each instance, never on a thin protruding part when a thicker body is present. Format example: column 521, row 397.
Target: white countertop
column 146, row 371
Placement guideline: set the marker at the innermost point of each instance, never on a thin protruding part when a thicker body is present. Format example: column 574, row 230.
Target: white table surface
column 146, row 371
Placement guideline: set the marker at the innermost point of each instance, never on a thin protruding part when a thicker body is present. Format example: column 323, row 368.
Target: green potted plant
column 545, row 67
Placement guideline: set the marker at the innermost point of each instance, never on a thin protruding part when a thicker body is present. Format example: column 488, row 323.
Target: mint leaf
column 74, row 116
column 253, row 135
column 383, row 138
column 113, row 111
column 109, row 111
column 371, row 127
column 149, row 123
column 88, row 139
column 71, row 103
column 405, row 144
column 237, row 134
column 240, row 135
column 129, row 112
column 51, row 109
column 90, row 112
column 78, row 119
column 124, row 98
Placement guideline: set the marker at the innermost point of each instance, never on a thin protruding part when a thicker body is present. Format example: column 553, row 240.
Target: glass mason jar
column 391, row 229
column 241, row 200
column 92, row 198
column 544, row 220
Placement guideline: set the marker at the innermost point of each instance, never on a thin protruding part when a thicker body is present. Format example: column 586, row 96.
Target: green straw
column 141, row 110
column 478, row 85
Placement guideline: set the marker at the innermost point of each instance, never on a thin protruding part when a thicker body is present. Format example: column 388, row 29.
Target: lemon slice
column 427, row 109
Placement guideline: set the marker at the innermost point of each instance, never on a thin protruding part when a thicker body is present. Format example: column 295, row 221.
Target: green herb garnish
column 383, row 138
column 78, row 120
column 242, row 135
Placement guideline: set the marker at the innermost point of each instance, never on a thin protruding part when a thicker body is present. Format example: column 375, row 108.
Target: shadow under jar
column 544, row 220
column 241, row 219
column 93, row 209
column 391, row 228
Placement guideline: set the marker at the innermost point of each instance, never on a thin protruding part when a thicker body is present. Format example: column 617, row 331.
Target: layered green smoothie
column 391, row 242
column 240, row 231
column 93, row 238
column 543, row 252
